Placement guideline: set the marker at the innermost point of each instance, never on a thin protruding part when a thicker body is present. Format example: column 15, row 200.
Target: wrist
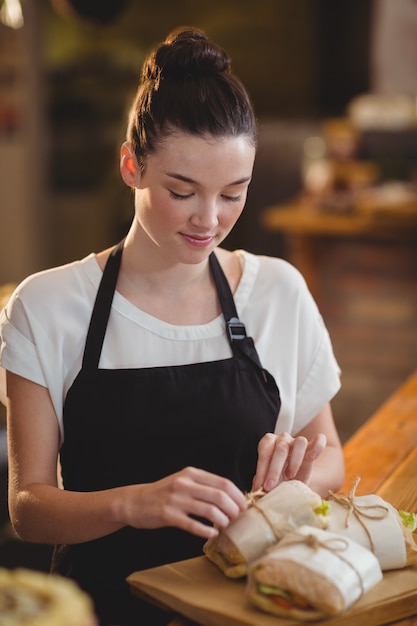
column 125, row 504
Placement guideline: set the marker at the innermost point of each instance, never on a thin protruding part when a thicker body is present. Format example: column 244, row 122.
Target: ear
column 129, row 168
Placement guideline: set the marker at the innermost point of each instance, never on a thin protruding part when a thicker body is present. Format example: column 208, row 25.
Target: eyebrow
column 186, row 179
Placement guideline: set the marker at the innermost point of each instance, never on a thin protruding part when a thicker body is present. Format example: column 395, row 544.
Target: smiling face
column 191, row 193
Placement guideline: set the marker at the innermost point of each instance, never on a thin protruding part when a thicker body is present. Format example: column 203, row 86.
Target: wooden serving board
column 197, row 589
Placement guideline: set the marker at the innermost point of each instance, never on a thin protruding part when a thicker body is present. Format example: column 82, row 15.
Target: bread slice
column 318, row 572
column 268, row 518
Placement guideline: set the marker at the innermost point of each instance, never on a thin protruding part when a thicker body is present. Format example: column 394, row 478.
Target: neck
column 145, row 267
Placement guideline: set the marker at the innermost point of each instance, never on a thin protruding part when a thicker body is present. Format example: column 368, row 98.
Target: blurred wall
column 65, row 83
column 61, row 195
column 23, row 211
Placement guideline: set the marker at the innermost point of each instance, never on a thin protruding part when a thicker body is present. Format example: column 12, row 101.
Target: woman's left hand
column 283, row 457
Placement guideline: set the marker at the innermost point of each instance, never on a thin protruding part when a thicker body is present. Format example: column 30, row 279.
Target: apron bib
column 127, row 426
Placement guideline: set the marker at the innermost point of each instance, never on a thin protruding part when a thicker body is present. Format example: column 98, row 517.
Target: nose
column 205, row 216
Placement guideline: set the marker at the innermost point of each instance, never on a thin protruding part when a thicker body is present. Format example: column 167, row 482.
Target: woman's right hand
column 179, row 499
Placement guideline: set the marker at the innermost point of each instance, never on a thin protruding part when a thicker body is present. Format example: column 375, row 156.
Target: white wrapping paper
column 289, row 505
column 375, row 524
column 348, row 566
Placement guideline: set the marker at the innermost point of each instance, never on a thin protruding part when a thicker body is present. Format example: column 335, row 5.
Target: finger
column 278, row 461
column 222, row 485
column 296, row 457
column 265, row 451
column 313, row 450
column 189, row 510
column 315, row 447
column 208, row 495
column 194, row 525
column 215, row 506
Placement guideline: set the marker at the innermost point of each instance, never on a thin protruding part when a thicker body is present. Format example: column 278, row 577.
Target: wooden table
column 306, row 230
column 383, row 452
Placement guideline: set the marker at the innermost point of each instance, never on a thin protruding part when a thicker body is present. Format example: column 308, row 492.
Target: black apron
column 127, row 426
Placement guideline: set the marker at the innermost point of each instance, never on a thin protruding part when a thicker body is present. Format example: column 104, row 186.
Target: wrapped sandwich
column 263, row 524
column 377, row 525
column 311, row 574
column 32, row 598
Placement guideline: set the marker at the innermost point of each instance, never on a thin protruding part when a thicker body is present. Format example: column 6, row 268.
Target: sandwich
column 377, row 525
column 38, row 599
column 311, row 574
column 269, row 517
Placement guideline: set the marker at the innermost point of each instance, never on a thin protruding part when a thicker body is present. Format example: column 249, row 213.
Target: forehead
column 193, row 152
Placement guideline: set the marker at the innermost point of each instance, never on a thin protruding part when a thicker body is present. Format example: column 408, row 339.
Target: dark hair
column 187, row 84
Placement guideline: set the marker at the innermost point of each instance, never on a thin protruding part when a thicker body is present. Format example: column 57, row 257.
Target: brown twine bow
column 252, row 499
column 333, row 544
column 360, row 511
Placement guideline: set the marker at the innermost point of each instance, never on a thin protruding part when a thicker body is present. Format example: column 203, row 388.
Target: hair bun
column 186, row 52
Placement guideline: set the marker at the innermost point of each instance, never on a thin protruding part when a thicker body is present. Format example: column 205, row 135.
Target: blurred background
column 334, row 85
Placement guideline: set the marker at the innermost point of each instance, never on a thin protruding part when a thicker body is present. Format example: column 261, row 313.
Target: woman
column 167, row 410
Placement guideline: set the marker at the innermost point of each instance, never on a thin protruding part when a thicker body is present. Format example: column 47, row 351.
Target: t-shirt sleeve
column 321, row 383
column 292, row 341
column 33, row 335
column 315, row 369
column 17, row 353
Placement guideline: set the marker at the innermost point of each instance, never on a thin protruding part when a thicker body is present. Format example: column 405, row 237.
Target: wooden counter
column 384, row 453
column 306, row 230
column 300, row 218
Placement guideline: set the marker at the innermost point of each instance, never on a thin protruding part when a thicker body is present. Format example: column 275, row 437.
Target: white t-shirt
column 43, row 331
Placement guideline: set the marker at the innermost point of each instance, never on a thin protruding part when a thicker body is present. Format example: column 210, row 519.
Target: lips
column 198, row 240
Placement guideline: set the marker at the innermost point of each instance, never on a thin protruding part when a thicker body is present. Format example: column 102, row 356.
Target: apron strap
column 236, row 331
column 101, row 310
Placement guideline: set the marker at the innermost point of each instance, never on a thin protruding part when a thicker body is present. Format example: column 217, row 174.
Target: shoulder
column 271, row 288
column 239, row 263
column 271, row 274
column 53, row 289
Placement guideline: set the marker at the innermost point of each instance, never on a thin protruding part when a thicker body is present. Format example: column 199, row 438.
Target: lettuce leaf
column 323, row 509
column 269, row 590
column 409, row 520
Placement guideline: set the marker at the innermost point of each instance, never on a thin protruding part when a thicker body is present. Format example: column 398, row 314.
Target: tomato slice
column 284, row 599
column 282, row 602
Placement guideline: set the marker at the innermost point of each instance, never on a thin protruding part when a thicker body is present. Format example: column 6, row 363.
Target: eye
column 178, row 196
column 232, row 198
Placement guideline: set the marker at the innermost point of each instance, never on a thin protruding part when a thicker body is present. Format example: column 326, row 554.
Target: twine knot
column 370, row 511
column 336, row 545
column 333, row 544
column 252, row 498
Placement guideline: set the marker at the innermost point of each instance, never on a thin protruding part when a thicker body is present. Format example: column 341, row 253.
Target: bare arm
column 42, row 512
column 314, row 456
